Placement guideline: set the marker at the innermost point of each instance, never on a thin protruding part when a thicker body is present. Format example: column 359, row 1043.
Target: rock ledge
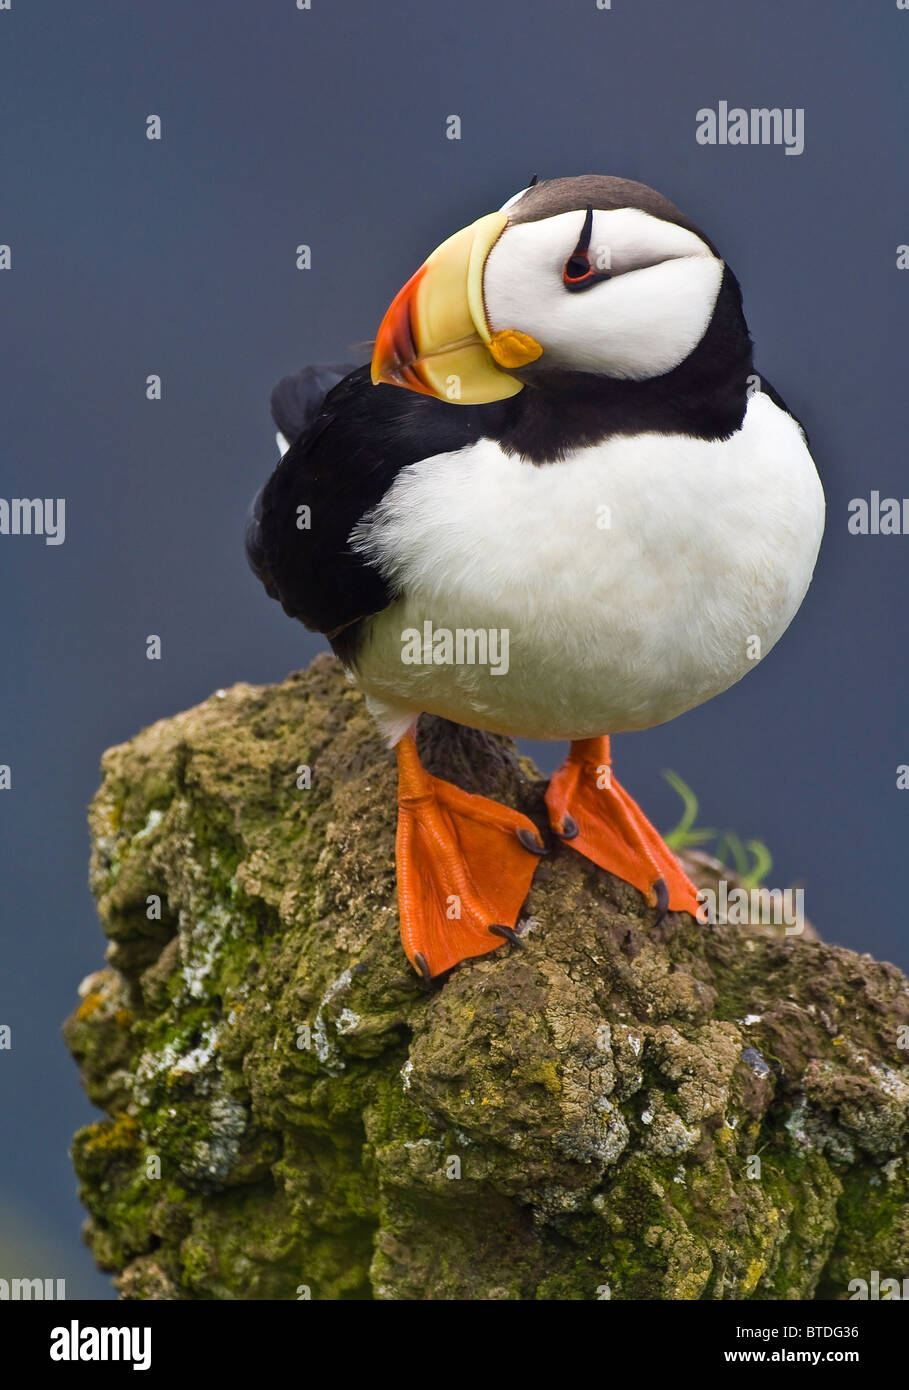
column 614, row 1111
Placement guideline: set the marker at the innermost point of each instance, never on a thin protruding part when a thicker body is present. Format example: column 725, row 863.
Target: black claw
column 570, row 828
column 420, row 962
column 509, row 934
column 530, row 841
column 662, row 899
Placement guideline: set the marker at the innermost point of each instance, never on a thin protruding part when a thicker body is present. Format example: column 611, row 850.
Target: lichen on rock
column 618, row 1109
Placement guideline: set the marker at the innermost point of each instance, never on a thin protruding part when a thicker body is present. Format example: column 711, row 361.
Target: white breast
column 636, row 578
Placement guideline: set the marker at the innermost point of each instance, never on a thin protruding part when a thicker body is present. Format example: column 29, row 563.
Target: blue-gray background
column 327, row 127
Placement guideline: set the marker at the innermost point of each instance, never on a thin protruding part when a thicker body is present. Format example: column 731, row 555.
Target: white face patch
column 641, row 323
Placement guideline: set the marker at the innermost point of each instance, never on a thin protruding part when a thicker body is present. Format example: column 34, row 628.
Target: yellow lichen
column 120, row 1135
column 547, row 1074
column 89, row 1004
column 752, row 1275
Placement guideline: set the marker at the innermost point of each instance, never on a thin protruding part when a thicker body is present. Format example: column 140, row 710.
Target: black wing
column 339, row 468
column 297, row 400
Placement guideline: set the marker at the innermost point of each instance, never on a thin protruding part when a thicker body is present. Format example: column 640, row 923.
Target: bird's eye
column 578, row 273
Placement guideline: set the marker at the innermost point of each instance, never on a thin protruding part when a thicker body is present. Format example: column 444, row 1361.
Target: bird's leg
column 464, row 867
column 596, row 816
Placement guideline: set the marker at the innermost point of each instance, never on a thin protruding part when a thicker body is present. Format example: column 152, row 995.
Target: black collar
column 704, row 397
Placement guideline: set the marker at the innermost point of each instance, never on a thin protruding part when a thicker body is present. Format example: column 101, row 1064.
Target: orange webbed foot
column 591, row 812
column 464, row 864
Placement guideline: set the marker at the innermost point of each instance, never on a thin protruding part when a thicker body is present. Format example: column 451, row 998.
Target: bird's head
column 591, row 274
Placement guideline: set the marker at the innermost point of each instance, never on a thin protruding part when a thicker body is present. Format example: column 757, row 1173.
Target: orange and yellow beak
column 434, row 337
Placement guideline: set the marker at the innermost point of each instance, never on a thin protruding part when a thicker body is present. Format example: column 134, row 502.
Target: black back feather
column 341, row 466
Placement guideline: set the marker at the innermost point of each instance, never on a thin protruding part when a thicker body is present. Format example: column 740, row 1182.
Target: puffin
column 558, row 504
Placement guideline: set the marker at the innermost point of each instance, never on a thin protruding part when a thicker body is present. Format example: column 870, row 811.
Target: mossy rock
column 618, row 1109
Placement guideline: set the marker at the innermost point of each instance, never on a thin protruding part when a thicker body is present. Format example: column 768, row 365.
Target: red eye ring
column 577, row 272
column 576, row 268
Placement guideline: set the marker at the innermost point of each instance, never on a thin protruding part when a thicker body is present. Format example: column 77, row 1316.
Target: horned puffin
column 583, row 461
